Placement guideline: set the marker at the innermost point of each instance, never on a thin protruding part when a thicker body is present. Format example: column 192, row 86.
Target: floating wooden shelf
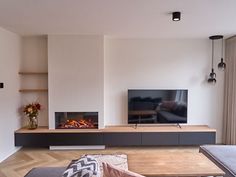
column 32, row 73
column 125, row 129
column 32, row 90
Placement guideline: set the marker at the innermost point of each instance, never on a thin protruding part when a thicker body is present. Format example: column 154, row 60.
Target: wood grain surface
column 130, row 128
column 150, row 161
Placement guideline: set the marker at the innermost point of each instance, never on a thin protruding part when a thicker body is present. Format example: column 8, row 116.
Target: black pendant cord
column 212, row 54
column 222, row 49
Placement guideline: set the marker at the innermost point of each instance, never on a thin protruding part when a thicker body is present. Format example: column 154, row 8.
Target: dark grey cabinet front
column 115, row 139
column 122, row 139
column 31, row 139
column 57, row 139
column 197, row 138
column 63, row 139
column 160, row 138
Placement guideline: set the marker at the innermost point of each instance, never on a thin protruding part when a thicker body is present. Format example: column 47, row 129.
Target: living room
column 85, row 57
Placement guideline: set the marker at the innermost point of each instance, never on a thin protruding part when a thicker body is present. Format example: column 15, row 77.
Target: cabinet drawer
column 122, row 139
column 57, row 139
column 76, row 139
column 31, row 139
column 160, row 139
column 197, row 138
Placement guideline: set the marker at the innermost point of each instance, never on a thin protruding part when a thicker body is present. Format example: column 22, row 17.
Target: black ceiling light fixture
column 222, row 65
column 212, row 75
column 176, row 16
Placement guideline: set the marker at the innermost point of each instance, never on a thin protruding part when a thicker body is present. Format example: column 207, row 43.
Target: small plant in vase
column 32, row 111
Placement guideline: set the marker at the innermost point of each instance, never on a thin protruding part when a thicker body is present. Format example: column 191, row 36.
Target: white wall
column 83, row 70
column 163, row 63
column 76, row 81
column 34, row 59
column 10, row 53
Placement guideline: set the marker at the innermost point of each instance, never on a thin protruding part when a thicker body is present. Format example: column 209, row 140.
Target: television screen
column 157, row 106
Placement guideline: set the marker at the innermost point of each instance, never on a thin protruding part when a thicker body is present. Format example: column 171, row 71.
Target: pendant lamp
column 212, row 75
column 222, row 65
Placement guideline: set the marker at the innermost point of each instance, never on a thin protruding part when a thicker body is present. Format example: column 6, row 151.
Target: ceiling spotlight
column 176, row 16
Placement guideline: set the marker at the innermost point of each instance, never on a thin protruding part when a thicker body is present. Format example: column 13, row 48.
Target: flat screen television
column 157, row 106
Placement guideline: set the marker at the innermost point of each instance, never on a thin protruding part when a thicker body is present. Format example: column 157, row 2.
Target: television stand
column 117, row 136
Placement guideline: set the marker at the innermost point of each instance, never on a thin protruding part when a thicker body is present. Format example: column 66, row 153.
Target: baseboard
column 10, row 153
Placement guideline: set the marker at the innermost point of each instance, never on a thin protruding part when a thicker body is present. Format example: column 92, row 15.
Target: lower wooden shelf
column 117, row 136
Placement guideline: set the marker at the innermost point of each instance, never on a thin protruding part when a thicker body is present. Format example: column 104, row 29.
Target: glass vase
column 32, row 123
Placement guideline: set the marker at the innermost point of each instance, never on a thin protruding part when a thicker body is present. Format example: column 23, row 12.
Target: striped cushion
column 86, row 166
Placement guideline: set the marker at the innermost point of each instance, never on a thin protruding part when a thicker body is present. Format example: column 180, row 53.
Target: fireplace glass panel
column 76, row 120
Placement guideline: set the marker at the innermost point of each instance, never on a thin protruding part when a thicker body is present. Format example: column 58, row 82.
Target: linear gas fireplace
column 76, row 120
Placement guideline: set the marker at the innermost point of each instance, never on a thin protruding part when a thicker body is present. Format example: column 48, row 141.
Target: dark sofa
column 172, row 112
column 159, row 111
column 168, row 117
column 224, row 156
column 46, row 172
column 141, row 105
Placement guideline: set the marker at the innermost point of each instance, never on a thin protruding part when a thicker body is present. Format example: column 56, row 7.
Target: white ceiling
column 122, row 18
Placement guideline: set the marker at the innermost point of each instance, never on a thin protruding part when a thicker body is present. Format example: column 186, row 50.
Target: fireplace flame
column 82, row 123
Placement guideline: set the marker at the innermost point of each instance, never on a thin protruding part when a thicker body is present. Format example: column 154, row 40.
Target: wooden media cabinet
column 117, row 136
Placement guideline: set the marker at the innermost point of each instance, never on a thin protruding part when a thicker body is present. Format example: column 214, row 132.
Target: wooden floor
column 22, row 161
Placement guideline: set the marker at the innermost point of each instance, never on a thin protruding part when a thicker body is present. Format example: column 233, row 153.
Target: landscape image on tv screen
column 157, row 106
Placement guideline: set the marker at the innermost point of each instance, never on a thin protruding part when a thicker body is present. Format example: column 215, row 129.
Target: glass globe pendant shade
column 222, row 65
column 212, row 80
column 212, row 77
